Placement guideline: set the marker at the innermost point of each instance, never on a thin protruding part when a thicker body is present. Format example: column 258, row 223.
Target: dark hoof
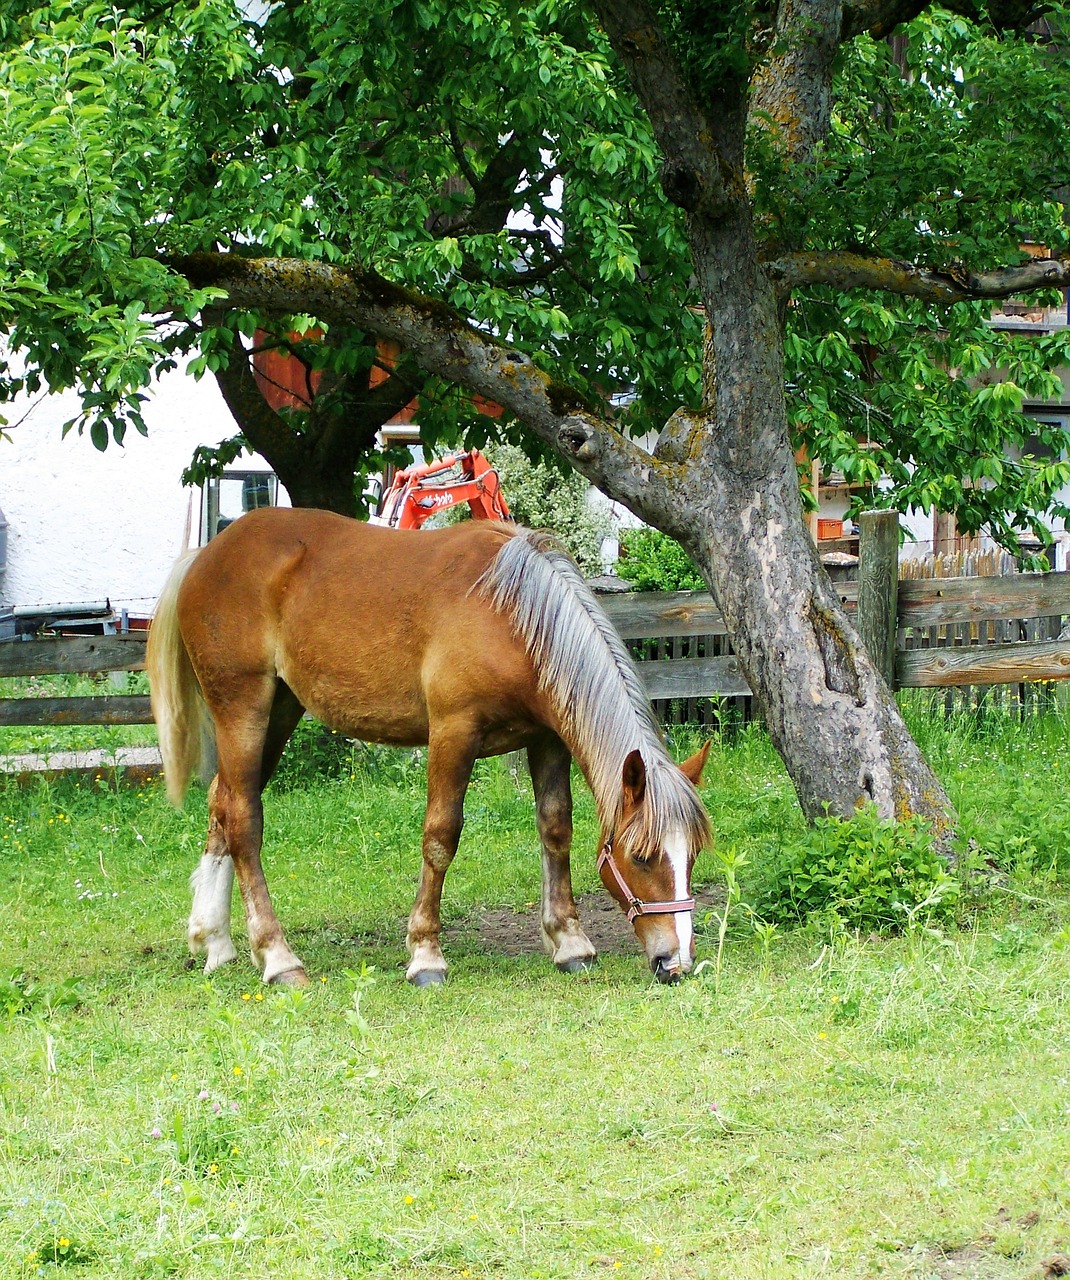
column 189, row 964
column 289, row 978
column 668, row 977
column 578, row 964
column 428, row 978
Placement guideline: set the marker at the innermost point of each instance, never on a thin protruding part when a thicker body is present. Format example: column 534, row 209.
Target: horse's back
column 364, row 623
column 278, row 557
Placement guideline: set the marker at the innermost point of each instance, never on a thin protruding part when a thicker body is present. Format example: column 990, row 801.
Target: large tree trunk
column 309, row 487
column 318, row 453
column 829, row 711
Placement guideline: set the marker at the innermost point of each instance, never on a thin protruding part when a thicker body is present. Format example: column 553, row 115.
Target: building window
column 231, row 495
column 1053, row 421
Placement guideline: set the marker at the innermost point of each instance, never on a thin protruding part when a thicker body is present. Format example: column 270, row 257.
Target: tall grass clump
column 1008, row 780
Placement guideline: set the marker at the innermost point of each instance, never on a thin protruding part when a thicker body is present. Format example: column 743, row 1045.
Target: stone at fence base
column 131, row 766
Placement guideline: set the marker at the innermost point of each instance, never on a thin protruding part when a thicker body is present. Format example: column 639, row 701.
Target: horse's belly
column 397, row 715
column 370, row 724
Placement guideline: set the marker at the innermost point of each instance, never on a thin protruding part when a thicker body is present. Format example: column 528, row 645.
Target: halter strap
column 636, row 906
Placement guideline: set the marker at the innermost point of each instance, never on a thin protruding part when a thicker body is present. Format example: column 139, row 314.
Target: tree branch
column 690, row 174
column 457, row 147
column 387, row 400
column 856, row 271
column 346, row 413
column 265, row 430
column 442, row 342
column 881, row 17
column 878, row 17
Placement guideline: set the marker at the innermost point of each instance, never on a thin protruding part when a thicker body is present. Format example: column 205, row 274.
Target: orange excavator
column 418, row 492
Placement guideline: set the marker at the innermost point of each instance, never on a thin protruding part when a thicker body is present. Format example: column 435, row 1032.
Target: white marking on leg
column 276, row 959
column 209, row 923
column 676, row 852
column 566, row 942
column 427, row 958
column 563, row 937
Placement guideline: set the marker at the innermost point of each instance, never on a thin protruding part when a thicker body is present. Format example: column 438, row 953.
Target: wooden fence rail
column 74, row 655
column 948, row 632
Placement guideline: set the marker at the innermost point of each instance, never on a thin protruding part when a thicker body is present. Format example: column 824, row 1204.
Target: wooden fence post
column 878, row 584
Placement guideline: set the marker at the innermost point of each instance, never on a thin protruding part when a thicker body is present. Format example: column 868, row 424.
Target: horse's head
column 646, row 866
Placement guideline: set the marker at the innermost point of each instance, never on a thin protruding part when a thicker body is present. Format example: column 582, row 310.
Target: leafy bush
column 313, row 752
column 542, row 496
column 870, row 873
column 655, row 562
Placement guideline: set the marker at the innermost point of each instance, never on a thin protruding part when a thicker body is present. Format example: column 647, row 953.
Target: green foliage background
column 653, row 561
column 541, row 495
column 132, row 133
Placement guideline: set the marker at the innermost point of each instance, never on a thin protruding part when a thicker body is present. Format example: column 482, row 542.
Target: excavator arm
column 418, row 492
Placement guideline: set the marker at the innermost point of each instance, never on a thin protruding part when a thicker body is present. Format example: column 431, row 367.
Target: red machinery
column 418, row 492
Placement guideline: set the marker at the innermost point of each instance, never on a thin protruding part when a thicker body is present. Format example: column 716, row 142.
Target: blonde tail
column 182, row 721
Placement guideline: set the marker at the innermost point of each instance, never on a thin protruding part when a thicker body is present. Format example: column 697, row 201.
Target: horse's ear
column 634, row 777
column 693, row 767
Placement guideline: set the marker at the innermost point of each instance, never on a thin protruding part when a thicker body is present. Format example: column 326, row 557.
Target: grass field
column 821, row 1104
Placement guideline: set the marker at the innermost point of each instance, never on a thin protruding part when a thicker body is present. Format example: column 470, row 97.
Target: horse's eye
column 641, row 859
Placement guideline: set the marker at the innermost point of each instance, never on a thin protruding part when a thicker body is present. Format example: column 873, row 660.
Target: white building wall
column 86, row 525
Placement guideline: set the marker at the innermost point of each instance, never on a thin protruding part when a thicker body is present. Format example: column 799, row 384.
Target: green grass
column 825, row 1105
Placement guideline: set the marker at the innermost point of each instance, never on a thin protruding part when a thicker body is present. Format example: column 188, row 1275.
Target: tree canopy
column 428, row 141
column 494, row 157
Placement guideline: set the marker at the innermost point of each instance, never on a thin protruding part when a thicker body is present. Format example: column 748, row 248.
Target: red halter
column 636, row 906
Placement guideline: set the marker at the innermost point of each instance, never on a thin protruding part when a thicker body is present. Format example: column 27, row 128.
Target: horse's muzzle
column 665, row 970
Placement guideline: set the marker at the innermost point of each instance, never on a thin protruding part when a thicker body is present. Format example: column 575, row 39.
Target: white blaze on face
column 676, row 852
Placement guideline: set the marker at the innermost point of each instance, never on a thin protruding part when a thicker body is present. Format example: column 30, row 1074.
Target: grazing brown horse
column 476, row 640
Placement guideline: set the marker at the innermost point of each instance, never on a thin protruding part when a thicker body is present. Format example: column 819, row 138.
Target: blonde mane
column 594, row 688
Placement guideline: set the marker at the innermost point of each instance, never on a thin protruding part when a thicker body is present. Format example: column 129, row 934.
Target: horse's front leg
column 450, row 757
column 562, row 934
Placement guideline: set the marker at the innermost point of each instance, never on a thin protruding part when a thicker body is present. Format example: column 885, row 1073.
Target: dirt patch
column 502, row 931
column 970, row 1264
column 977, row 1263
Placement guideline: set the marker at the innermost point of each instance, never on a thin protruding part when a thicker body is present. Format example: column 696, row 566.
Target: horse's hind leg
column 450, row 757
column 249, row 748
column 286, row 711
column 212, row 884
column 562, row 935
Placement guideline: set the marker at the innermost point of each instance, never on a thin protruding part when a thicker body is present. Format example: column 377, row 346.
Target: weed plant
column 867, row 872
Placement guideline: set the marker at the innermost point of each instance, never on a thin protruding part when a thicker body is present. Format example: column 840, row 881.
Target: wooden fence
column 74, row 655
column 972, row 633
column 935, row 633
